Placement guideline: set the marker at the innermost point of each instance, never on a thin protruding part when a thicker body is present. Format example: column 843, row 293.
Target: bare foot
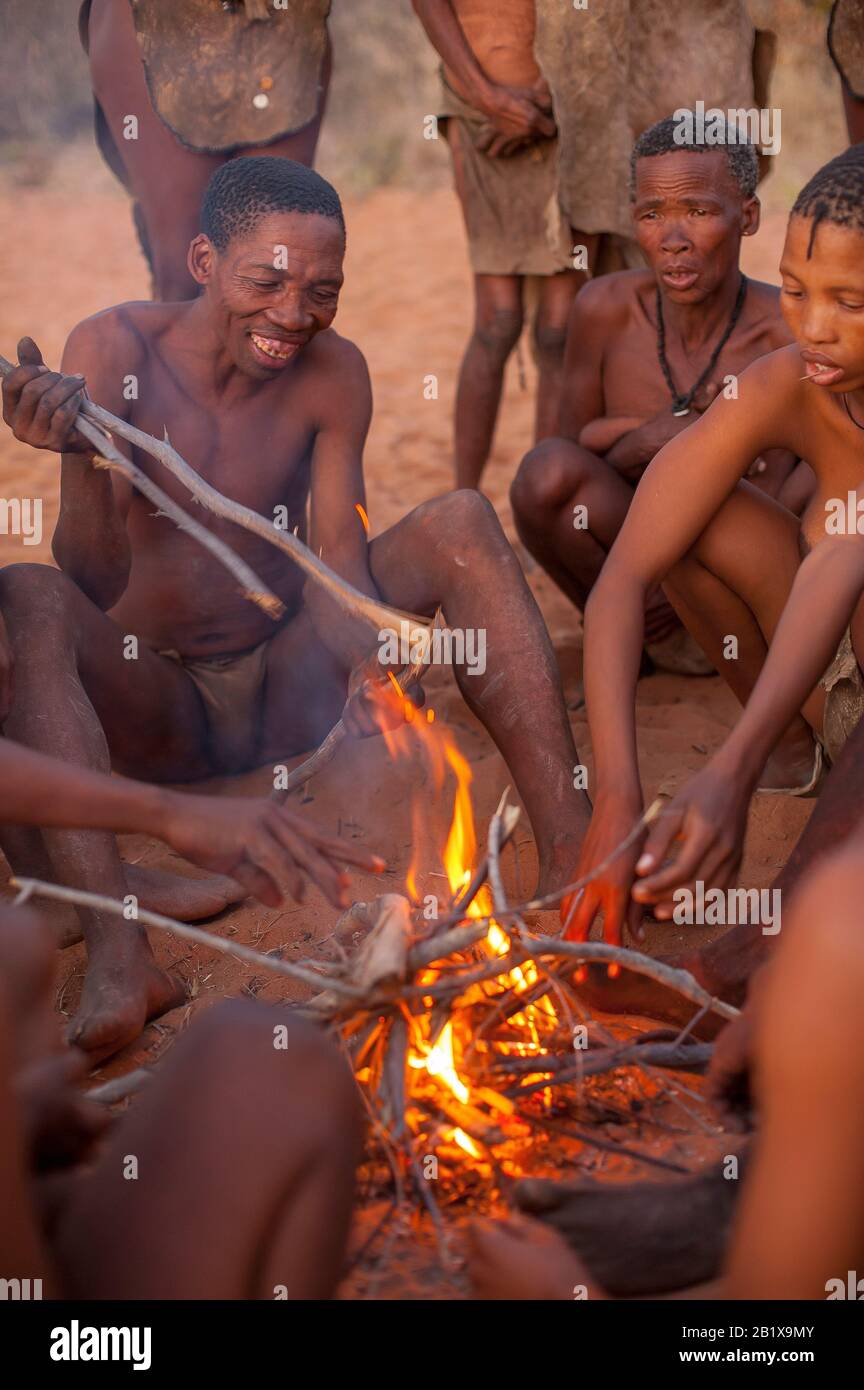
column 642, row 1238
column 558, row 864
column 157, row 890
column 792, row 764
column 123, row 989
column 187, row 899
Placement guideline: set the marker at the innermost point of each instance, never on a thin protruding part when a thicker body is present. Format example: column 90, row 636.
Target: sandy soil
column 407, row 303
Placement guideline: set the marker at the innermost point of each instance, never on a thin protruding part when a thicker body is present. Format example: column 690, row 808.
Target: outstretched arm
column 255, row 841
column 707, row 820
column 681, row 491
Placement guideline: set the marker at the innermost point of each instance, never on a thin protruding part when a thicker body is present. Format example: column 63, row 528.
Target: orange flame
column 361, row 512
column 440, row 1061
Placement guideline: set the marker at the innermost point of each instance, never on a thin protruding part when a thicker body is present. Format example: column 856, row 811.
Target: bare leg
column 167, row 180
column 246, row 1154
column 497, row 327
column 734, row 584
column 556, row 476
column 557, row 293
column 451, row 551
column 72, row 688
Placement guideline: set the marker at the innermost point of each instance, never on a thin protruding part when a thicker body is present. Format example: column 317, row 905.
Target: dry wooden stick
column 550, row 899
column 360, row 606
column 99, row 903
column 501, row 827
column 326, row 751
column 679, row 980
column 694, row 1058
column 109, row 456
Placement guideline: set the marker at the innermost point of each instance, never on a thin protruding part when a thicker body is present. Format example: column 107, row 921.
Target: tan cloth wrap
column 231, row 690
column 843, row 684
column 613, row 69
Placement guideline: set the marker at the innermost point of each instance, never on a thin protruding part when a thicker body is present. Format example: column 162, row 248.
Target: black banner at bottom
column 162, row 1339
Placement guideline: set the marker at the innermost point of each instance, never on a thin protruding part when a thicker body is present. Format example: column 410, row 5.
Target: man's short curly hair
column 835, row 193
column 665, row 137
column 244, row 190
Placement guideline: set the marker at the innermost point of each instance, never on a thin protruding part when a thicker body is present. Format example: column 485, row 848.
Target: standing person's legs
column 245, row 1148
column 497, row 328
column 166, row 179
column 555, row 300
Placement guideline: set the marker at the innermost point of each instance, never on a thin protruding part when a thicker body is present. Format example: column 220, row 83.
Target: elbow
column 616, row 591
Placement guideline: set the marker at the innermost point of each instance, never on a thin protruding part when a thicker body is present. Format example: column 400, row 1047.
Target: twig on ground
column 99, row 903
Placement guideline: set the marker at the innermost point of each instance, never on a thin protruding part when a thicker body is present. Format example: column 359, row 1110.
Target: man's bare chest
column 256, row 452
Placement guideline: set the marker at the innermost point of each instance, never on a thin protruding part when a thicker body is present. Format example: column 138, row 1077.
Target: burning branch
column 452, row 1033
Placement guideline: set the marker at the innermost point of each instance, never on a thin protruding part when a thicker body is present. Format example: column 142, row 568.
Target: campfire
column 469, row 1040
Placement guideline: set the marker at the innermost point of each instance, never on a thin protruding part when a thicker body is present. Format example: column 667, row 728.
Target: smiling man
column 647, row 351
column 272, row 407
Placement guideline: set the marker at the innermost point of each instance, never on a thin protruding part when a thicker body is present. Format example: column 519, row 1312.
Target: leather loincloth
column 222, row 79
column 846, row 43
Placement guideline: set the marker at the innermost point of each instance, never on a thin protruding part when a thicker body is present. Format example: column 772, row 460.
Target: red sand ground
column 407, row 304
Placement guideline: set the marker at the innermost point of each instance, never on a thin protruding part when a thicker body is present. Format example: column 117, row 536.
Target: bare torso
column 256, row 447
column 819, row 429
column 632, row 379
column 501, row 36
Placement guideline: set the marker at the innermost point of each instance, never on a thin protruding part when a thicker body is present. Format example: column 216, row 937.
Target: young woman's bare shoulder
column 772, row 386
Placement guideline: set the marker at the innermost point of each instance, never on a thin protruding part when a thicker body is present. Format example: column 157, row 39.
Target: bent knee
column 550, row 340
column 498, row 330
column 29, row 592
column 462, row 514
column 548, row 477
